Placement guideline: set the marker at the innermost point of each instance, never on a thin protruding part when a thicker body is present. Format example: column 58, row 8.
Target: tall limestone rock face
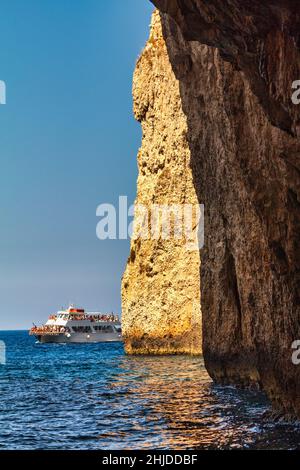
column 236, row 61
column 160, row 287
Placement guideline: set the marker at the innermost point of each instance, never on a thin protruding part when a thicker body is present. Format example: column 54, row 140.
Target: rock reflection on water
column 94, row 397
column 171, row 403
column 174, row 404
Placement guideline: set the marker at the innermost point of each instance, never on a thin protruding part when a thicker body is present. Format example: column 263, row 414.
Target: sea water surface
column 93, row 396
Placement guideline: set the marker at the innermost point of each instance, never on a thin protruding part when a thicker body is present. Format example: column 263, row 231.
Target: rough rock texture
column 261, row 38
column 160, row 288
column 245, row 160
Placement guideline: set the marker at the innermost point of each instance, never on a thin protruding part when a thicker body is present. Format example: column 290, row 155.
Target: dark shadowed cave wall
column 236, row 62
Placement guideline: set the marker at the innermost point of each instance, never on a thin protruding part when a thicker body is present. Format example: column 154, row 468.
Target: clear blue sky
column 68, row 143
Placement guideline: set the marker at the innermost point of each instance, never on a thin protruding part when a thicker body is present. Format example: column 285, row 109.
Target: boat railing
column 48, row 330
column 94, row 318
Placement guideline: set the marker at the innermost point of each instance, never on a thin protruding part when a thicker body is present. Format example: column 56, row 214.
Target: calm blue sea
column 95, row 397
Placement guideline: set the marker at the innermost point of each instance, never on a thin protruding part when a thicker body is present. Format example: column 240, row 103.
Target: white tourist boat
column 74, row 325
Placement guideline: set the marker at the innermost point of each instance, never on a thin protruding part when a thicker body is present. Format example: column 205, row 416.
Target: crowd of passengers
column 56, row 329
column 49, row 329
column 92, row 318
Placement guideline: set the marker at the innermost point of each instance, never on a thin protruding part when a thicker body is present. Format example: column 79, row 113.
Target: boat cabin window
column 82, row 329
column 108, row 329
column 104, row 328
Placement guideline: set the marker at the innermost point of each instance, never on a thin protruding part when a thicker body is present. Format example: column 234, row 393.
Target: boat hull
column 80, row 338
